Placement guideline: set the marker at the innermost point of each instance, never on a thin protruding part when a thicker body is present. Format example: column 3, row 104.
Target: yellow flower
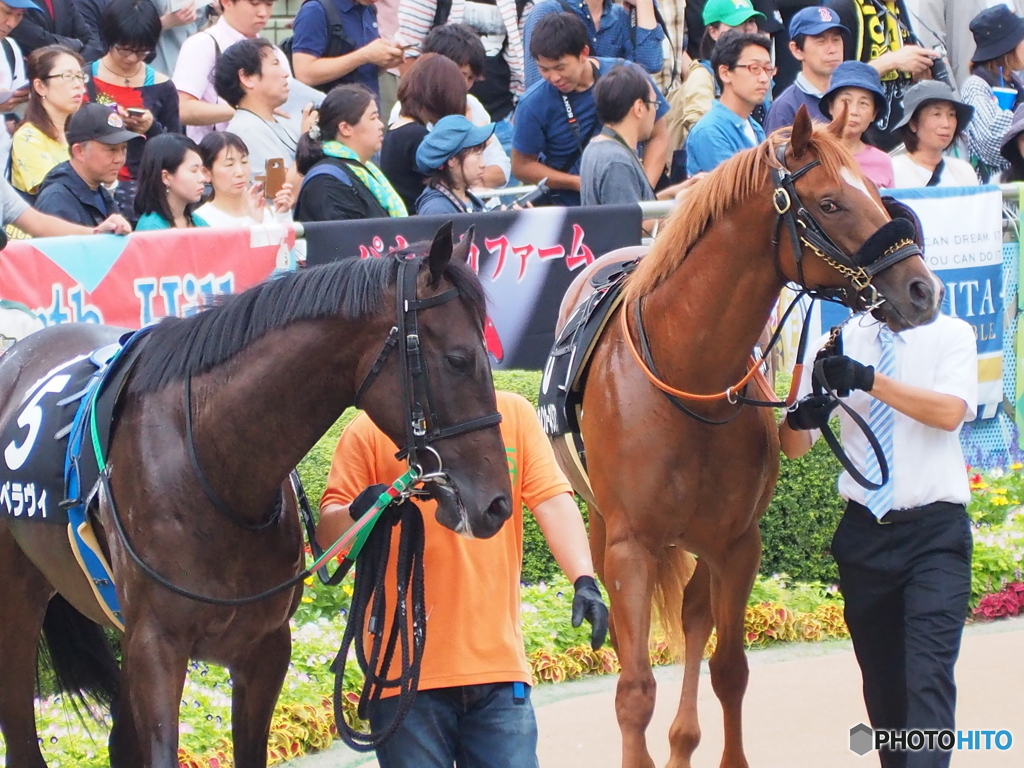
column 999, row 490
column 999, row 501
column 307, row 599
column 1016, row 465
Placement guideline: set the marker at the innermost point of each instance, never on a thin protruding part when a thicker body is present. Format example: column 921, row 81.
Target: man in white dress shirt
column 903, row 550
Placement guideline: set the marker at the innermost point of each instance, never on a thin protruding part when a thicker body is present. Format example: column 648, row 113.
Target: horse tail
column 674, row 569
column 78, row 654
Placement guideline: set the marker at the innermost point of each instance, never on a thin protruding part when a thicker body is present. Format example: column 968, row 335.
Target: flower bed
column 779, row 611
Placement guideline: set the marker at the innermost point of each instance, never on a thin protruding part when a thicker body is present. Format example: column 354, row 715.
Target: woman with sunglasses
column 58, row 90
column 145, row 99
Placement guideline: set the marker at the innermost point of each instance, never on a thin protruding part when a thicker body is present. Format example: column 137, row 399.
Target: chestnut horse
column 663, row 484
column 271, row 370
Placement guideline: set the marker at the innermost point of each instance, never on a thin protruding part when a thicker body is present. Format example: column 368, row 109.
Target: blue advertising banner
column 963, row 245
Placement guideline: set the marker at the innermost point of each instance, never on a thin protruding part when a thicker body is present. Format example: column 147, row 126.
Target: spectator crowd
column 142, row 114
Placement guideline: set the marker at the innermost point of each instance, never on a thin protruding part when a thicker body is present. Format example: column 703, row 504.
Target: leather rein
column 421, row 421
column 804, row 230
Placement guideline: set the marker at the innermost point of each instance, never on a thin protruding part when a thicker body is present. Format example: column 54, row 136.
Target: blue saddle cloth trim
column 76, row 497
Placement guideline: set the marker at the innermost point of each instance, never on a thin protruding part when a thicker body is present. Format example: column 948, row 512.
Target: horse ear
column 800, row 138
column 440, row 252
column 460, row 252
column 838, row 121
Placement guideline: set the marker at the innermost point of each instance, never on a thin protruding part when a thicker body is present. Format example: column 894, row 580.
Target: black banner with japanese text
column 525, row 259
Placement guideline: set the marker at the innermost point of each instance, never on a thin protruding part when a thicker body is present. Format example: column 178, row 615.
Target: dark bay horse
column 662, row 483
column 270, row 370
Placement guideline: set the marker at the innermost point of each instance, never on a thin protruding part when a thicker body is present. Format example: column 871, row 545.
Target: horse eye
column 829, row 207
column 458, row 362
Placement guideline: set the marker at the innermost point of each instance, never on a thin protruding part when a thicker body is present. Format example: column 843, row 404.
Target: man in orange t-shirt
column 473, row 707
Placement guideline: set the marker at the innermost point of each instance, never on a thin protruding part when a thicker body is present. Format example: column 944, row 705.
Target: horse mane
column 728, row 185
column 351, row 288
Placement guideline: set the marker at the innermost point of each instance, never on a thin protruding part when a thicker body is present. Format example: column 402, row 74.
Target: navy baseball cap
column 26, row 5
column 814, row 21
column 449, row 136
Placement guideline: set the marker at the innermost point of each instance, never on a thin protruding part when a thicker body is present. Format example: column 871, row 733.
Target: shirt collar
column 226, row 34
column 805, row 85
column 728, row 114
column 876, row 330
column 346, row 5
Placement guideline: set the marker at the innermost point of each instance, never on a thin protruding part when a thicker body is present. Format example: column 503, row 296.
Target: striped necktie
column 882, row 420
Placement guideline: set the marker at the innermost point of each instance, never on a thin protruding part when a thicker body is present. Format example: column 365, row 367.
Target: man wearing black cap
column 74, row 190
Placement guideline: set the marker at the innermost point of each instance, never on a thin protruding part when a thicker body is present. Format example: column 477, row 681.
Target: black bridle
column 891, row 244
column 895, row 237
column 422, row 424
column 421, row 419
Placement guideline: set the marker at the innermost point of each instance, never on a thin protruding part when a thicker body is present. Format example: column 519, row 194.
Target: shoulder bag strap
column 936, row 174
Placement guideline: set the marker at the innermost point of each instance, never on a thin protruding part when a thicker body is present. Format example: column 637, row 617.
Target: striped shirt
column 416, row 18
column 988, row 126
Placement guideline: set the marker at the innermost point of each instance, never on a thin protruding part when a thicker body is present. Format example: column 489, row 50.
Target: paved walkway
column 800, row 704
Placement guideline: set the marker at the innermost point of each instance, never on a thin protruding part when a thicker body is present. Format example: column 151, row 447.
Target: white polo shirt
column 928, row 464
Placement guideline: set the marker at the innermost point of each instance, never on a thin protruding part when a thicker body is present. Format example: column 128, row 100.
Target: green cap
column 732, row 13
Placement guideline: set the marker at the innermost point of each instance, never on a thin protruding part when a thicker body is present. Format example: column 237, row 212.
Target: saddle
column 50, row 474
column 565, row 373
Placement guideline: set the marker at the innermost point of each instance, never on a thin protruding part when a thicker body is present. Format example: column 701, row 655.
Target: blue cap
column 814, row 21
column 27, row 5
column 449, row 136
column 854, row 74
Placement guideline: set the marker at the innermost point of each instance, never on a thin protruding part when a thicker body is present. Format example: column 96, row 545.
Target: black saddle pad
column 561, row 388
column 34, row 444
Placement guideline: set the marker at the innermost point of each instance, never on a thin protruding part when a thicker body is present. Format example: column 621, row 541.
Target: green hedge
column 796, row 529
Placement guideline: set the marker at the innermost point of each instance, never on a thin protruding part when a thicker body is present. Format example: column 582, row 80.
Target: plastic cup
column 1006, row 97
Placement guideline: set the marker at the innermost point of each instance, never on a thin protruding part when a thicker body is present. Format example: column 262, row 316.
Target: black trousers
column 906, row 586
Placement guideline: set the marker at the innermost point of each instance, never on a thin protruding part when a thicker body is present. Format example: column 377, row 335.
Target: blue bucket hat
column 814, row 21
column 853, row 74
column 449, row 136
column 26, row 5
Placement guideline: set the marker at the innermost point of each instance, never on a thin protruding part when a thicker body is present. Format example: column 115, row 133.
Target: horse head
column 441, row 372
column 843, row 240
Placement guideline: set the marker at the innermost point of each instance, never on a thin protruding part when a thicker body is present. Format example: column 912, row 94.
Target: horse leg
column 154, row 667
column 630, row 571
column 684, row 735
column 123, row 745
column 21, row 620
column 257, row 681
column 731, row 582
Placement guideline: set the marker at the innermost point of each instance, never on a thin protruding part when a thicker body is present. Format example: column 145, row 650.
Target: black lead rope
column 833, row 441
column 407, row 633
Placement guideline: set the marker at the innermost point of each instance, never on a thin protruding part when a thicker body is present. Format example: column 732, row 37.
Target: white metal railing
column 660, row 209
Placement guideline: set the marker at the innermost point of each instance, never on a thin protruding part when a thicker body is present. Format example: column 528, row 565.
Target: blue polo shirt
column 541, row 125
column 717, row 136
column 612, row 40
column 312, row 35
column 784, row 108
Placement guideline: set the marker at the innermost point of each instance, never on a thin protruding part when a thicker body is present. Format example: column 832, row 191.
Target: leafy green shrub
column 796, row 529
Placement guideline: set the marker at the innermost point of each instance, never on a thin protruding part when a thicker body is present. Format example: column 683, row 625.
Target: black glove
column 367, row 498
column 844, row 374
column 812, row 412
column 587, row 604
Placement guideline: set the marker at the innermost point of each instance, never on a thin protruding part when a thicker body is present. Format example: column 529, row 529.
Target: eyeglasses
column 757, row 69
column 126, row 51
column 69, row 77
